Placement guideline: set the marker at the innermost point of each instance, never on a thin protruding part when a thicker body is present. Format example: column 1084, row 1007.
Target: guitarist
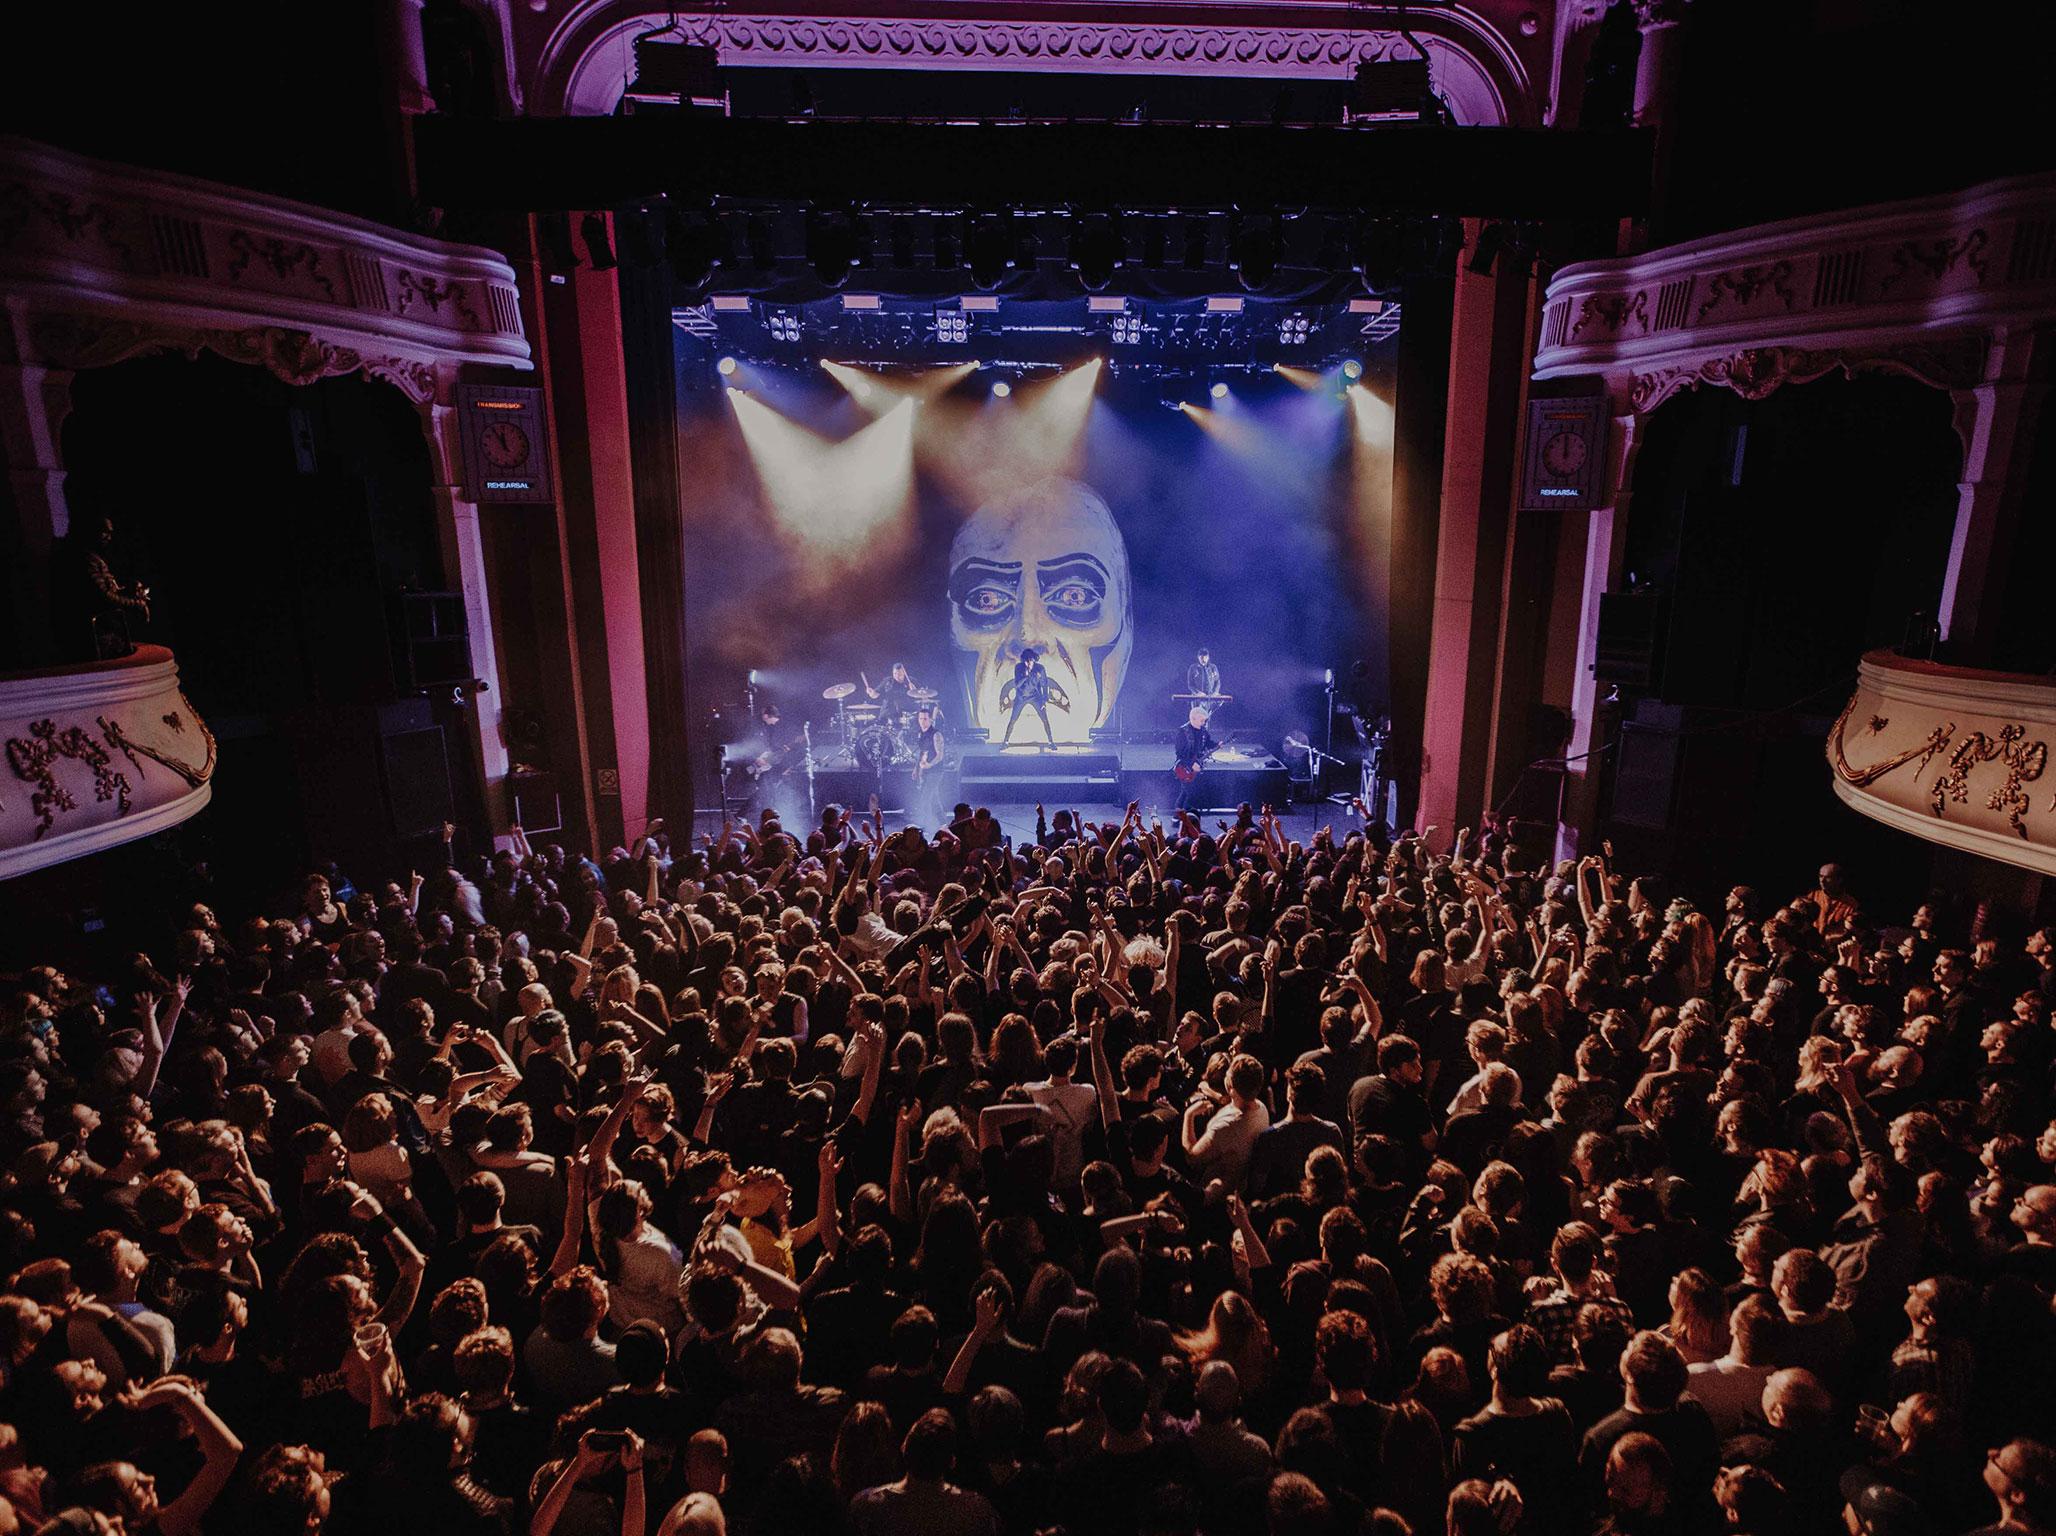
column 1195, row 744
column 927, row 743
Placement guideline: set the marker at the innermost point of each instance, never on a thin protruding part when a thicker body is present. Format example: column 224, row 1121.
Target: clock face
column 505, row 445
column 1563, row 454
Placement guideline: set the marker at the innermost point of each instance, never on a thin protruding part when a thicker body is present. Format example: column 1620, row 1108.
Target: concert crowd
column 1143, row 1181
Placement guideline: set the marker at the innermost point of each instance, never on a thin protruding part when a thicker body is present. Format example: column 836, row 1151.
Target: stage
column 1074, row 776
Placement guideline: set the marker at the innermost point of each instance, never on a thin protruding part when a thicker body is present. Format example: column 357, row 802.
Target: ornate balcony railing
column 1917, row 287
column 103, row 261
column 97, row 755
column 1952, row 755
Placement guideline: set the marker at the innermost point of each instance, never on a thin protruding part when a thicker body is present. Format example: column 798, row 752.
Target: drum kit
column 874, row 740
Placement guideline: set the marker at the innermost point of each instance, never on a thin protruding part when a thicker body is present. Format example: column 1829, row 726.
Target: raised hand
column 990, row 1309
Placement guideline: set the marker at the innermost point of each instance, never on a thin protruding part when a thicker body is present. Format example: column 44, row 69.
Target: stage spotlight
column 945, row 246
column 1095, row 251
column 640, row 234
column 989, row 253
column 1253, row 255
column 1219, row 391
column 1155, row 243
column 1352, row 369
column 694, row 248
column 727, row 366
column 1381, row 254
column 832, row 246
column 1001, row 389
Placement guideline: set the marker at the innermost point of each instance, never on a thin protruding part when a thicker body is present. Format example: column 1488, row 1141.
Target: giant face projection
column 1043, row 568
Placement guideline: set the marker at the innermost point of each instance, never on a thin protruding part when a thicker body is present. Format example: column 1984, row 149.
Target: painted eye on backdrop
column 986, row 603
column 1073, row 589
column 985, row 593
column 1073, row 602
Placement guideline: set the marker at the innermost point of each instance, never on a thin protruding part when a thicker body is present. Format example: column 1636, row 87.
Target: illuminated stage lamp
column 1352, row 369
column 1001, row 389
column 1220, row 391
column 726, row 367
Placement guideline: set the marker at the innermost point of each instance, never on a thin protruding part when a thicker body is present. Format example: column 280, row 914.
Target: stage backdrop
column 838, row 520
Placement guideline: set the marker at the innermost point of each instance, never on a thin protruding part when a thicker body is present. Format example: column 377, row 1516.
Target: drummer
column 896, row 694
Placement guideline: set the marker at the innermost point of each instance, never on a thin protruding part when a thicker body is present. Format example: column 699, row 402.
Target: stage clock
column 1566, row 439
column 506, row 443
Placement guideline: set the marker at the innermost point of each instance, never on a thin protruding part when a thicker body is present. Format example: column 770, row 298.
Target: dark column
column 660, row 548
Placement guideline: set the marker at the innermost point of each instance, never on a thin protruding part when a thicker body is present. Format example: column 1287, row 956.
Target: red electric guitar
column 1187, row 772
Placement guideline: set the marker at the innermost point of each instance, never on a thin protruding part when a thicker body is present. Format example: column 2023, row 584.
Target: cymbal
column 921, row 693
column 1216, row 698
column 860, row 711
column 838, row 690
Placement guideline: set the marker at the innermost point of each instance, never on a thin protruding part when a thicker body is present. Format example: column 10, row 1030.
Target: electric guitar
column 1187, row 772
column 775, row 761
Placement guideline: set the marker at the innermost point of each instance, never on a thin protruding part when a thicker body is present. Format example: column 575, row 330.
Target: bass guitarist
column 1195, row 745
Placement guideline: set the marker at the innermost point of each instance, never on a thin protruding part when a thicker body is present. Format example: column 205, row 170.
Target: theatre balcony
column 1953, row 755
column 97, row 755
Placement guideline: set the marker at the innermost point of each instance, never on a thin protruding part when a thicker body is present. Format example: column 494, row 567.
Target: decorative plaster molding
column 1755, row 372
column 1911, row 287
column 583, row 65
column 97, row 756
column 99, row 262
column 1950, row 755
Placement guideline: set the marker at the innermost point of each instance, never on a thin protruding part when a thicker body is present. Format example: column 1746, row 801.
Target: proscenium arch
column 588, row 57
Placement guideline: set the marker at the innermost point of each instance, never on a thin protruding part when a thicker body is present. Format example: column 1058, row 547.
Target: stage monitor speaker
column 1645, row 780
column 433, row 641
column 1628, row 623
column 538, row 801
column 417, row 775
column 523, row 731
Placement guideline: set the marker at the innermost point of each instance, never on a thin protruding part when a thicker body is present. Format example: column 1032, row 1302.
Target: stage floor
column 1098, row 773
column 1300, row 821
column 1097, row 780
